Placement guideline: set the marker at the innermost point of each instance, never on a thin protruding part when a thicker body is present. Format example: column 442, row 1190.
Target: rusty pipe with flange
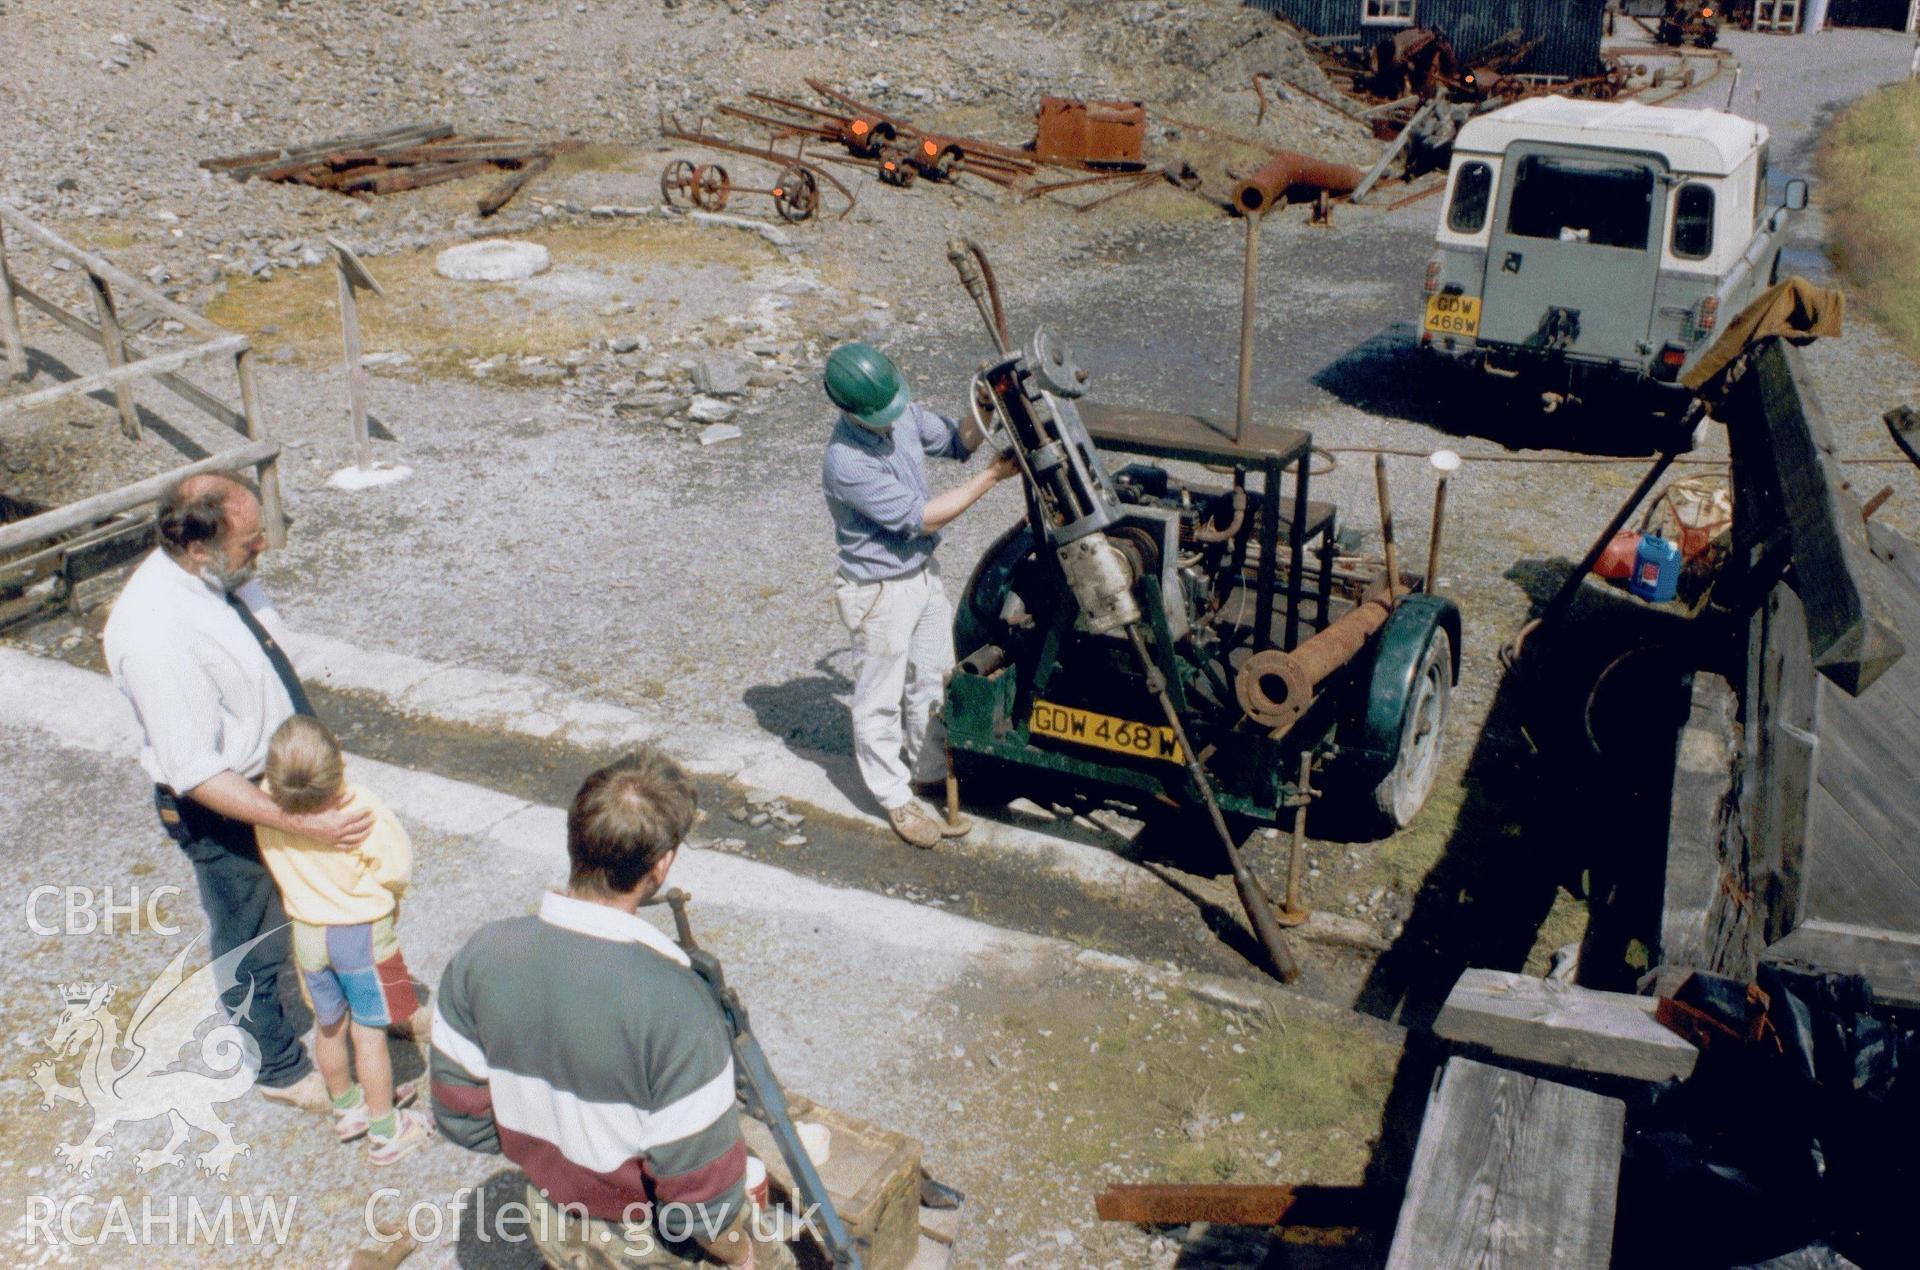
column 1268, row 186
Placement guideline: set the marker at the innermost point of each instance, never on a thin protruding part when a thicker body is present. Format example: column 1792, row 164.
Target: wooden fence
column 129, row 364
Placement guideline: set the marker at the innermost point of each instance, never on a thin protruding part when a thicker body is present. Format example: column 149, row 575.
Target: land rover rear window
column 1468, row 215
column 1693, row 222
column 1582, row 201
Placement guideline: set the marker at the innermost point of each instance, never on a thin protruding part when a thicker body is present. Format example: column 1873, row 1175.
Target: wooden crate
column 872, row 1174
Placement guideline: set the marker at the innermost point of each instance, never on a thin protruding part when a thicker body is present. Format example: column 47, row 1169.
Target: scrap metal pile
column 1102, row 142
column 395, row 159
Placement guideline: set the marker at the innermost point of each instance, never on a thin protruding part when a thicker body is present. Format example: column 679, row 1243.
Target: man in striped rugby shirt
column 579, row 1044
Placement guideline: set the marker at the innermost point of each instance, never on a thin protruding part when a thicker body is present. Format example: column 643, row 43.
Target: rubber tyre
column 1401, row 794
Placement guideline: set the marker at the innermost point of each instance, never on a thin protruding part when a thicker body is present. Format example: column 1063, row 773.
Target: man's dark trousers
column 242, row 902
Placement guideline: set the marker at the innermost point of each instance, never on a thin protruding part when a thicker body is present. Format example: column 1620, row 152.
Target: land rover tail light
column 1708, row 315
column 1433, row 276
column 1672, row 358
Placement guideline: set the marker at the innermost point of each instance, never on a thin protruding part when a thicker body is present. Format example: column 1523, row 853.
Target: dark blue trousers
column 242, row 902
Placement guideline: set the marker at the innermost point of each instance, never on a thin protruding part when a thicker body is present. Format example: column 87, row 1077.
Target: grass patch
column 1217, row 1100
column 676, row 277
column 1870, row 167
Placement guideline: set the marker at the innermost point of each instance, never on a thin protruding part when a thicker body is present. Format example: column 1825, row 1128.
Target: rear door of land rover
column 1575, row 252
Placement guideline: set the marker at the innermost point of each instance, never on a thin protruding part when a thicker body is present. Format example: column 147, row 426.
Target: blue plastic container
column 1656, row 569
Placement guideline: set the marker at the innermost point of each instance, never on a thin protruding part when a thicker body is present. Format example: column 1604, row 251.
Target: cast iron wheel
column 676, row 178
column 796, row 195
column 1416, row 765
column 711, row 187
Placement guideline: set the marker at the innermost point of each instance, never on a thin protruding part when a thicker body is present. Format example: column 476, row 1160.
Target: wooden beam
column 184, row 389
column 10, row 318
column 1696, row 818
column 1510, row 1170
column 101, row 267
column 114, row 343
column 1778, row 433
column 273, row 512
column 1561, row 1025
column 76, row 515
column 226, row 346
column 246, row 166
column 499, row 196
column 1379, row 168
column 394, row 180
column 356, row 373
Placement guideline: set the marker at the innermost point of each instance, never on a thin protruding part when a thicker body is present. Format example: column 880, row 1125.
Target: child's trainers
column 351, row 1124
column 415, row 1131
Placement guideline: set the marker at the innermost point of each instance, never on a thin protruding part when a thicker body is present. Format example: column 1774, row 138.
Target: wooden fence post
column 271, row 509
column 114, row 342
column 10, row 316
column 353, row 276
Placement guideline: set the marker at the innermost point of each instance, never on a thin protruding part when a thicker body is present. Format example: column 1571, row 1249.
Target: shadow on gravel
column 1387, row 375
column 492, row 1234
column 39, row 363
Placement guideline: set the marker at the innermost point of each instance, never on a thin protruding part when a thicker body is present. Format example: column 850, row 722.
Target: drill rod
column 1386, row 528
column 1259, row 913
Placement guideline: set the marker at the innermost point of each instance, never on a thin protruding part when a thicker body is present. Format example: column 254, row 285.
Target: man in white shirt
column 191, row 642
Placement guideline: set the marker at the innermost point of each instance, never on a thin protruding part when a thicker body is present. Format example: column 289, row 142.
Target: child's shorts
column 355, row 969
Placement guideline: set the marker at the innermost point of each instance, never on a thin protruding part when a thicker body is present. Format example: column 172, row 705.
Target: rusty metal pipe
column 1321, row 654
column 1249, row 289
column 1386, row 528
column 1268, row 187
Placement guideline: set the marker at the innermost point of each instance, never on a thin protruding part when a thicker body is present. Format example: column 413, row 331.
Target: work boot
column 915, row 825
column 309, row 1093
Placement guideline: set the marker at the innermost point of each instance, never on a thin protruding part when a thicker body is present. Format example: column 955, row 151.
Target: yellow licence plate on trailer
column 1123, row 736
column 1453, row 314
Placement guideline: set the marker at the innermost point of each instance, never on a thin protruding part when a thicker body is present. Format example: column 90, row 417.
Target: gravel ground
column 549, row 530
column 998, row 1051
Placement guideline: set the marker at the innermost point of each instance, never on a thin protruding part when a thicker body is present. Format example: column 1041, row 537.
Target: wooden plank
column 1890, row 962
column 1778, row 432
column 1510, row 1170
column 184, row 389
column 10, row 318
column 123, row 374
column 114, row 343
column 1562, row 1025
column 393, row 181
column 356, row 373
column 273, row 512
column 1863, row 849
column 1379, row 169
column 500, row 195
column 74, row 515
column 407, row 135
column 1703, row 781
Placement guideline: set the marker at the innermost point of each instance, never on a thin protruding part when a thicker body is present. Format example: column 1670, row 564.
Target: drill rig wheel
column 676, row 178
column 711, row 186
column 796, row 195
column 1416, row 765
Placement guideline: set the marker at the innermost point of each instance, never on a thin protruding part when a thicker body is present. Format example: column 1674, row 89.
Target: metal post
column 272, row 512
column 356, row 373
column 115, row 345
column 1249, row 288
column 1293, row 912
column 10, row 316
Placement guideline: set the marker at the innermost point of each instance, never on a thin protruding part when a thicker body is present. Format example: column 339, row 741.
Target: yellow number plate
column 1453, row 314
column 1123, row 736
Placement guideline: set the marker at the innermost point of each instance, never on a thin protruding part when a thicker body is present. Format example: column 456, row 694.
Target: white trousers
column 902, row 650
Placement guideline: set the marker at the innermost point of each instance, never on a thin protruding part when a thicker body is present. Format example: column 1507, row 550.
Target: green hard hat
column 863, row 382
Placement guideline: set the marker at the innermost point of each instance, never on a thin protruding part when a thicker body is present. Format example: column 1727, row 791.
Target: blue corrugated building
column 1568, row 31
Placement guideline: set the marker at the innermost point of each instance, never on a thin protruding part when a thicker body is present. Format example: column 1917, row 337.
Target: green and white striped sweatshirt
column 580, row 1045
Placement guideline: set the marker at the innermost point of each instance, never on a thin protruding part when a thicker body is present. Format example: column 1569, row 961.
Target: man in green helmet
column 886, row 524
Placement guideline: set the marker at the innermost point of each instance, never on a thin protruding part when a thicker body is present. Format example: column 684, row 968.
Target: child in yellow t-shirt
column 342, row 904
